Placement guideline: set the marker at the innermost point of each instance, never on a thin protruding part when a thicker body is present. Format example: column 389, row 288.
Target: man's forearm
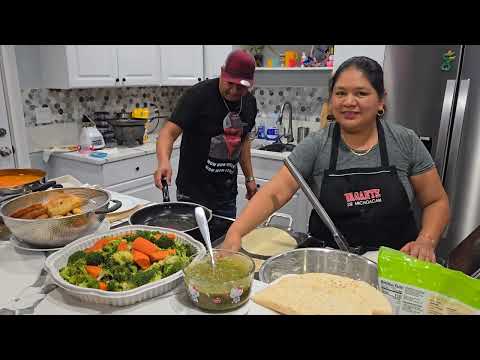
column 164, row 146
column 246, row 159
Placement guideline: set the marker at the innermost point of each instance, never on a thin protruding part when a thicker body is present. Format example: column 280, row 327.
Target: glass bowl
column 224, row 288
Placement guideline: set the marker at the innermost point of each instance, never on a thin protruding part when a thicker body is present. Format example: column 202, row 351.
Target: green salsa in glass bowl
column 223, row 288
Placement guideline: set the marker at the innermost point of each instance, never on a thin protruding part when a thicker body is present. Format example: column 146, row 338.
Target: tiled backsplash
column 68, row 106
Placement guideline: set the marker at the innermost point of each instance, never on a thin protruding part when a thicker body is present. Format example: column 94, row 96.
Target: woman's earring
column 380, row 113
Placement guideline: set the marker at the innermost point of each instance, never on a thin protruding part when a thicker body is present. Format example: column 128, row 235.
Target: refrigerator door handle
column 441, row 151
column 450, row 176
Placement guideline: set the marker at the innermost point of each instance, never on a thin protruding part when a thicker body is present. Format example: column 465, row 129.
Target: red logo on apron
column 365, row 197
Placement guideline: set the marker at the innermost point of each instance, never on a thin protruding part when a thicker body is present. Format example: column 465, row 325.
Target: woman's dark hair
column 369, row 67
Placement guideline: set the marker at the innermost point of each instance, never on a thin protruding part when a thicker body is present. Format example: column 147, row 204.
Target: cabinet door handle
column 117, row 80
column 199, row 79
column 206, row 78
column 124, row 79
column 137, row 168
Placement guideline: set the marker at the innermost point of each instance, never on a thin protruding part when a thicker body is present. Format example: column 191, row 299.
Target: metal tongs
column 337, row 235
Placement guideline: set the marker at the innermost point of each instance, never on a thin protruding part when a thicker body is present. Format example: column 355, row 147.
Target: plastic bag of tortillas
column 416, row 287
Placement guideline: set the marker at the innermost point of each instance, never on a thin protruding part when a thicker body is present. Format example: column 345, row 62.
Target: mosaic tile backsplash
column 70, row 105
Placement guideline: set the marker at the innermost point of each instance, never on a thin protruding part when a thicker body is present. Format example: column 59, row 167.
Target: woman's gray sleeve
column 421, row 159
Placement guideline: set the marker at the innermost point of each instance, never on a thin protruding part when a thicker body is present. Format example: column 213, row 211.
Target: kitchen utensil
column 35, row 177
column 203, row 225
column 300, row 238
column 175, row 215
column 123, row 298
column 218, row 292
column 19, row 244
column 55, row 232
column 337, row 236
column 302, row 132
column 319, row 260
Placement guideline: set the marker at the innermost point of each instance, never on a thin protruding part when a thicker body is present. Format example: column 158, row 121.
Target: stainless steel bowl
column 319, row 260
column 58, row 232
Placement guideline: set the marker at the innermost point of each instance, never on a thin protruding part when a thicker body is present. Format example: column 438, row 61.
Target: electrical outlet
column 44, row 115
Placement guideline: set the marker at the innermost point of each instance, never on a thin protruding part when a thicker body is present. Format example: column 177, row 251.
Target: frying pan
column 174, row 215
column 17, row 189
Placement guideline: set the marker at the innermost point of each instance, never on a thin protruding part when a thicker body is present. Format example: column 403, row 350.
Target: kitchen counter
column 121, row 153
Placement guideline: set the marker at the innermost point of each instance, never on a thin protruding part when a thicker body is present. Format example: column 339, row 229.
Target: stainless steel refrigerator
column 437, row 93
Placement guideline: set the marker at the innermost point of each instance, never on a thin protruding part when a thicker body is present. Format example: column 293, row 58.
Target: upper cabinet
column 185, row 65
column 81, row 66
column 344, row 52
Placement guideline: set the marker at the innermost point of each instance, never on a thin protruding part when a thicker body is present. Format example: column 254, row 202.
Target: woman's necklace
column 356, row 153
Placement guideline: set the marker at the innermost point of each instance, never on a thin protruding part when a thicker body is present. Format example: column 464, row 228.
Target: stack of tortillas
column 322, row 294
column 268, row 241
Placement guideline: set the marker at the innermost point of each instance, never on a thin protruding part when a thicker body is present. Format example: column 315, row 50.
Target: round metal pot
column 319, row 260
column 56, row 232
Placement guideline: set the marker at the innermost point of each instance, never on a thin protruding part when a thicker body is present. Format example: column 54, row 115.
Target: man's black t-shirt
column 211, row 142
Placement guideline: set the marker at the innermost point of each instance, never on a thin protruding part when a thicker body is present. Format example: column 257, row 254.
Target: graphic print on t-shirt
column 225, row 148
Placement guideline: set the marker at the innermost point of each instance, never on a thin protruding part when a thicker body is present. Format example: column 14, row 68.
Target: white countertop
column 121, row 153
column 175, row 302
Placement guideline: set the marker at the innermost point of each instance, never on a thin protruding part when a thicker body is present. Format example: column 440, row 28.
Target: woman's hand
column 232, row 241
column 421, row 249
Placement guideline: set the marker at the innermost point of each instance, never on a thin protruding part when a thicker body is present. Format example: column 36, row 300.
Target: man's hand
column 251, row 189
column 163, row 171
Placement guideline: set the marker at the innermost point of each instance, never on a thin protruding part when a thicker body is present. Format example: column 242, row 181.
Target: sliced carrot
column 171, row 236
column 141, row 259
column 102, row 285
column 123, row 246
column 162, row 254
column 159, row 255
column 94, row 271
column 144, row 245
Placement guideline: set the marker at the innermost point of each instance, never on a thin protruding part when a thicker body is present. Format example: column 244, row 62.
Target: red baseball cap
column 239, row 68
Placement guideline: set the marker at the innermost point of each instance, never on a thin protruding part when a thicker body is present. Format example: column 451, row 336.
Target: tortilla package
column 416, row 287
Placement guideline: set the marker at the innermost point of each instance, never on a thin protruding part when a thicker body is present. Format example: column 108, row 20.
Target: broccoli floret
column 120, row 285
column 121, row 272
column 123, row 257
column 142, row 277
column 94, row 258
column 111, row 247
column 184, row 249
column 130, row 238
column 146, row 235
column 77, row 275
column 76, row 256
column 164, row 242
column 174, row 263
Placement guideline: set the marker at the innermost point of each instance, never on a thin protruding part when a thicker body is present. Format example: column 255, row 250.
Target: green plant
column 256, row 49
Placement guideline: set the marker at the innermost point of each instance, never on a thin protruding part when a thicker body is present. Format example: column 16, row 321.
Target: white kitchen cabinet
column 185, row 65
column 214, row 57
column 182, row 64
column 344, row 52
column 83, row 66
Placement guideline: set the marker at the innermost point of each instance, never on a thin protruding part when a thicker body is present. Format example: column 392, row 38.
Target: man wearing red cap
column 215, row 118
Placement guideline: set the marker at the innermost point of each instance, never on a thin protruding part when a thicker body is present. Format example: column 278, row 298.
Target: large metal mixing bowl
column 319, row 260
column 56, row 232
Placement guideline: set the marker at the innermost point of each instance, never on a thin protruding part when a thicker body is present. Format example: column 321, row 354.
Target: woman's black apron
column 369, row 206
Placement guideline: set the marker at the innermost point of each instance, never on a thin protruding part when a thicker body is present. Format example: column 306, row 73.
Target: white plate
column 20, row 244
column 128, row 202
